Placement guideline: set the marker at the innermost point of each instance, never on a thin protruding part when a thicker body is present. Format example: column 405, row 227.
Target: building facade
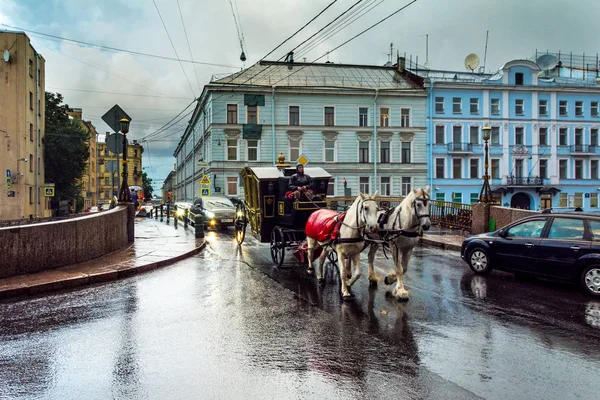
column 109, row 170
column 543, row 149
column 89, row 181
column 22, row 113
column 365, row 125
column 168, row 188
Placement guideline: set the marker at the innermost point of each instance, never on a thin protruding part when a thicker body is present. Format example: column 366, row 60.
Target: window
column 231, row 149
column 456, row 168
column 495, row 106
column 384, row 117
column 31, row 132
column 106, row 183
column 329, row 116
column 495, row 168
column 232, row 184
column 457, row 134
column 594, row 137
column 363, row 184
column 232, row 113
column 578, row 137
column 439, row 134
column 405, row 117
column 331, row 187
column 594, row 109
column 456, row 105
column 562, row 136
column 329, row 150
column 439, row 105
column 543, row 168
column 440, row 196
column 594, row 200
column 363, row 116
column 543, row 109
column 31, row 163
column 474, row 168
column 386, row 186
column 474, row 134
column 406, row 187
column 39, row 77
column 579, row 108
column 295, row 149
column 519, row 107
column 384, row 149
column 495, row 135
column 562, row 108
column 456, row 197
column 562, row 169
column 252, row 114
column 474, row 106
column 31, row 68
column 406, row 153
column 134, row 153
column 519, row 78
column 474, row 198
column 519, row 135
column 30, row 101
column 294, row 115
column 594, row 169
column 30, row 195
column 563, row 200
column 363, row 151
column 567, row 228
column 578, row 169
column 529, row 229
column 543, row 136
column 252, row 149
column 439, row 168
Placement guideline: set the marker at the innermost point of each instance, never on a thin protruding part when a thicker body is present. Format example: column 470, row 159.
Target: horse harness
column 362, row 237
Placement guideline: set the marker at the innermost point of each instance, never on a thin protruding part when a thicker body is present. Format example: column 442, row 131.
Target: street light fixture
column 124, row 193
column 485, row 195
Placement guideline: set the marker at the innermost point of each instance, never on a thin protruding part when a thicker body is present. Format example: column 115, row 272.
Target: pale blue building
column 544, row 139
column 365, row 125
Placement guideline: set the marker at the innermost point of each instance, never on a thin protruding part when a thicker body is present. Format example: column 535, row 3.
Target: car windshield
column 217, row 204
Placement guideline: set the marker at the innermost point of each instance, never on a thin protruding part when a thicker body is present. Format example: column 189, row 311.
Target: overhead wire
column 189, row 47
column 116, row 93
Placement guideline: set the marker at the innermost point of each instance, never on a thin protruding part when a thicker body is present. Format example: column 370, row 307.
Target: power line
column 173, row 45
column 173, row 119
column 116, row 93
column 138, row 53
column 189, row 47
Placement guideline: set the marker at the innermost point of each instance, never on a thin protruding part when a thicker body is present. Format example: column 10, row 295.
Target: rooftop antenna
column 391, row 52
column 427, row 50
column 472, row 62
column 487, row 34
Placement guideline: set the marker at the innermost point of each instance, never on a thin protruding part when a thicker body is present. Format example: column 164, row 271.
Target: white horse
column 410, row 218
column 360, row 219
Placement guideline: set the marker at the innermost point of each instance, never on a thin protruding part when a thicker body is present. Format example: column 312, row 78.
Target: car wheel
column 590, row 279
column 479, row 261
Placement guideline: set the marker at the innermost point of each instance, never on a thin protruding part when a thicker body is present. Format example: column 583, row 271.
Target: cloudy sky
column 153, row 90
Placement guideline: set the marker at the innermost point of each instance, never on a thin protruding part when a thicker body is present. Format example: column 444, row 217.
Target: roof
column 451, row 76
column 273, row 173
column 268, row 73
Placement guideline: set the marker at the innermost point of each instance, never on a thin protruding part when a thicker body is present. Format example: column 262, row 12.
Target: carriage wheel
column 277, row 246
column 240, row 223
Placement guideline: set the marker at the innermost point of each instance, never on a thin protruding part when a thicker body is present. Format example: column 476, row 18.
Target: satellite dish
column 6, row 56
column 472, row 61
column 547, row 62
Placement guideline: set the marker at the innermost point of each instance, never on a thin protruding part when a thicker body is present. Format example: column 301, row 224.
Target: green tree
column 66, row 148
column 147, row 186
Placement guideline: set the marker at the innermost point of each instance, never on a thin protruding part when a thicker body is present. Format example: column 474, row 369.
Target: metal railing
column 451, row 215
column 343, row 203
column 461, row 147
column 584, row 148
column 524, row 181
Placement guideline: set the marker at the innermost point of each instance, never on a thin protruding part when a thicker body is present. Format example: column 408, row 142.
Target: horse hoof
column 401, row 295
column 310, row 271
column 372, row 283
column 348, row 298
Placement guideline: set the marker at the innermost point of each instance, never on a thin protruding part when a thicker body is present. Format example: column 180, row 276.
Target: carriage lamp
column 124, row 125
column 485, row 195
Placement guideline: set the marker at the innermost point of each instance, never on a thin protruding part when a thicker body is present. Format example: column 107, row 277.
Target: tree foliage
column 66, row 148
column 147, row 186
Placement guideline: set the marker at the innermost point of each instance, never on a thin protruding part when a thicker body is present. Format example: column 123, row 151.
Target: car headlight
column 180, row 211
column 240, row 214
column 209, row 214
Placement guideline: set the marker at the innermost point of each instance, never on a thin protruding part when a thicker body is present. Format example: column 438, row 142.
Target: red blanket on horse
column 324, row 225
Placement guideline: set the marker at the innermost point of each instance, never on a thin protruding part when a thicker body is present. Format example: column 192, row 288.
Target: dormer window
column 519, row 78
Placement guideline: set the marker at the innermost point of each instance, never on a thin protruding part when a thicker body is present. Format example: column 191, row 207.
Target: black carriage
column 273, row 216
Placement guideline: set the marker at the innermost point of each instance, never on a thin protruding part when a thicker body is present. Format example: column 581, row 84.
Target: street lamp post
column 124, row 193
column 485, row 195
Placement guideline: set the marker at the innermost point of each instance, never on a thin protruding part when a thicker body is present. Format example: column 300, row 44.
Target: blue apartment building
column 365, row 125
column 543, row 150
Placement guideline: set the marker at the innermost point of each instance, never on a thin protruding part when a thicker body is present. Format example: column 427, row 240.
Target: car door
column 565, row 242
column 517, row 247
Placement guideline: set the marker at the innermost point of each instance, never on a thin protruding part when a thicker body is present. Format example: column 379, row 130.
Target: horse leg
column 391, row 277
column 312, row 244
column 342, row 265
column 321, row 263
column 399, row 291
column 356, row 261
column 373, row 278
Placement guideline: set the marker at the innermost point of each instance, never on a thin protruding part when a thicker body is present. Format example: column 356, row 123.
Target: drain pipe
column 37, row 136
column 273, row 121
column 431, row 168
column 375, row 139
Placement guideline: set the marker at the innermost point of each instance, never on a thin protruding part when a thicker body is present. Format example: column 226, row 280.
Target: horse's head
column 368, row 212
column 420, row 204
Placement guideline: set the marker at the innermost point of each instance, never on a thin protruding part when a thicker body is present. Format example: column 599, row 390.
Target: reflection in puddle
column 592, row 314
column 479, row 287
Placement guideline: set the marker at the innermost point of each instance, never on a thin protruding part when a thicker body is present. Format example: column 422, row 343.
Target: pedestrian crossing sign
column 205, row 192
column 205, row 180
column 49, row 192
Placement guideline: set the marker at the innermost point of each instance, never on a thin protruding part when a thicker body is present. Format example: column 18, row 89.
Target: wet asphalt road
column 227, row 325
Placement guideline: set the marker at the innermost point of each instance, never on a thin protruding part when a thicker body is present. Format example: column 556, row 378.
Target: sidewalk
column 156, row 245
column 448, row 239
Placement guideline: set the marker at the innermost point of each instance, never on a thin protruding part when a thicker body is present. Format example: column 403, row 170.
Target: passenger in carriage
column 301, row 184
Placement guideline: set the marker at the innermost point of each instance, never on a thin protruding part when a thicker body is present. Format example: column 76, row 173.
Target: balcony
column 582, row 149
column 524, row 181
column 456, row 147
column 520, row 151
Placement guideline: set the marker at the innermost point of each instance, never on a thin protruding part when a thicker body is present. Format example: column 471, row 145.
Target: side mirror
column 502, row 233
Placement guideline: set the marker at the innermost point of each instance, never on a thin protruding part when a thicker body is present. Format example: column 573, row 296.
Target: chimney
column 401, row 64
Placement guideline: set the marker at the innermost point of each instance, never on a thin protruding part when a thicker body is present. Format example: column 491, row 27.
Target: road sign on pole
column 113, row 118
column 205, row 180
column 204, row 192
column 202, row 164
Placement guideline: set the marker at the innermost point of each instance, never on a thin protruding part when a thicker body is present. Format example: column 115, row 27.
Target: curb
column 442, row 245
column 90, row 279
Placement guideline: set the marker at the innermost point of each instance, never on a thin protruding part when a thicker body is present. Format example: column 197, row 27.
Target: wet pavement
column 225, row 324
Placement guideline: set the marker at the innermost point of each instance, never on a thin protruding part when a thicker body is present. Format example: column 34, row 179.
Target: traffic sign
column 202, row 164
column 205, row 192
column 11, row 193
column 8, row 182
column 205, row 180
column 115, row 143
column 49, row 192
column 303, row 159
column 113, row 117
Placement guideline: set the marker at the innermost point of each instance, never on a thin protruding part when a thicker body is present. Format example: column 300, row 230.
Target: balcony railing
column 520, row 151
column 460, row 147
column 524, row 181
column 584, row 148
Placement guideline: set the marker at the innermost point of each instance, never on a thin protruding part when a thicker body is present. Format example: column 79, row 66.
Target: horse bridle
column 362, row 212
